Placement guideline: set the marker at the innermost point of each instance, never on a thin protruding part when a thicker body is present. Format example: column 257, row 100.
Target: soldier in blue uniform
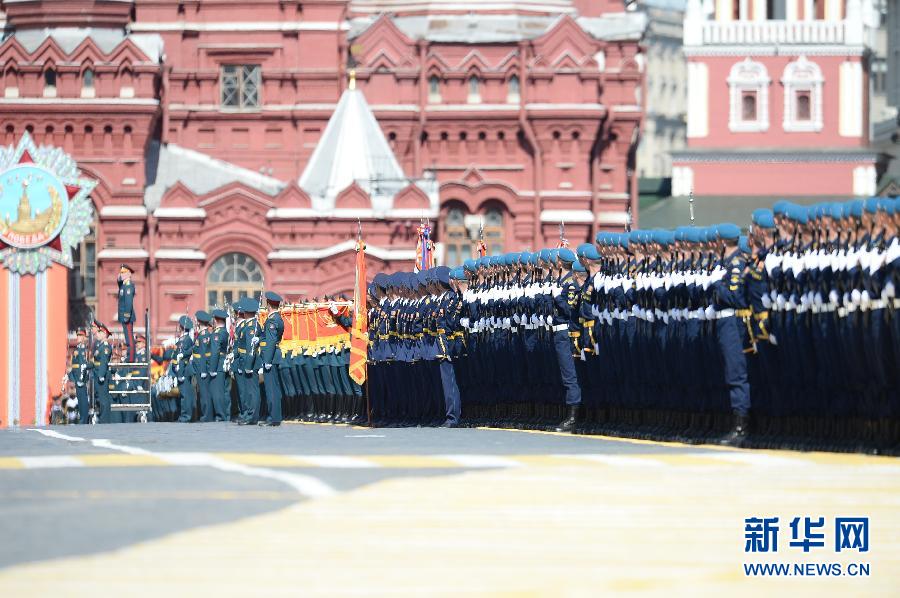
column 218, row 349
column 731, row 330
column 125, row 313
column 565, row 316
column 270, row 357
column 202, row 356
column 184, row 370
column 102, row 353
column 78, row 373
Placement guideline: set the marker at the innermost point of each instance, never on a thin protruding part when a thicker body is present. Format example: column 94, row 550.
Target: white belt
column 559, row 327
column 877, row 304
column 896, row 303
column 530, row 326
column 725, row 313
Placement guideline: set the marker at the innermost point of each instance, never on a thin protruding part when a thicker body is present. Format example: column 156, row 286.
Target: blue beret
column 780, row 207
column 578, row 267
column 380, row 280
column 764, row 218
column 566, row 255
column 798, row 214
column 624, row 241
column 273, row 297
column 470, row 265
column 220, row 314
column 889, row 206
column 728, row 231
column 585, row 249
column 545, row 255
column 421, row 279
column 744, row 243
column 203, row 317
column 458, row 273
column 185, row 322
column 600, row 238
column 856, row 208
column 872, row 204
column 635, row 236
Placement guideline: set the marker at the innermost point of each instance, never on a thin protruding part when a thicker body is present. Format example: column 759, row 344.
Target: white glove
column 833, row 297
column 259, row 372
column 102, row 380
column 865, row 299
column 79, row 384
column 888, row 291
column 268, row 366
column 203, row 375
column 855, row 296
column 549, row 320
column 180, row 380
column 213, row 374
column 179, row 356
column 334, row 309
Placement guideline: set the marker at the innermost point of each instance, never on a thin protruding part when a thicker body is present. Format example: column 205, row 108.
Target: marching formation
column 684, row 331
column 658, row 328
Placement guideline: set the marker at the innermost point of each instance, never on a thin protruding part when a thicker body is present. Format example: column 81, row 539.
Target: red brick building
column 231, row 154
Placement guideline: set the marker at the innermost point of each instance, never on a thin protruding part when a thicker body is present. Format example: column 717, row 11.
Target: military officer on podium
column 270, row 357
column 125, row 314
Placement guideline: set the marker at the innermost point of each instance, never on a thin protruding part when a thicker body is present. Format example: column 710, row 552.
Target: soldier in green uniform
column 78, row 373
column 125, row 313
column 216, row 366
column 202, row 355
column 101, row 355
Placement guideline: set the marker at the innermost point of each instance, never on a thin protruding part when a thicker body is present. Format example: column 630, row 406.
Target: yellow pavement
column 548, row 525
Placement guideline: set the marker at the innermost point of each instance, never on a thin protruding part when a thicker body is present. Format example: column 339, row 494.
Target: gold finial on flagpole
column 352, row 84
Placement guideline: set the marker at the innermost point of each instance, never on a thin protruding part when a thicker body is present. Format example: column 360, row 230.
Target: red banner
column 359, row 337
column 310, row 327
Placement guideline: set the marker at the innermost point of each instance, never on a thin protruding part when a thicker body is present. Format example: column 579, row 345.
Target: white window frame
column 802, row 75
column 247, row 87
column 748, row 75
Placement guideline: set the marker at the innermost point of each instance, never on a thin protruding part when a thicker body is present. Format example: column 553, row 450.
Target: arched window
column 493, row 231
column 802, row 82
column 749, row 109
column 512, row 90
column 87, row 83
column 231, row 277
column 474, row 90
column 50, row 83
column 434, row 89
column 457, row 248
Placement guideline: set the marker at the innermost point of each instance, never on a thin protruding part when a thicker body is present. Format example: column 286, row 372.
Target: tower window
column 240, row 86
column 87, row 84
column 50, row 83
column 434, row 89
column 512, row 91
column 474, row 90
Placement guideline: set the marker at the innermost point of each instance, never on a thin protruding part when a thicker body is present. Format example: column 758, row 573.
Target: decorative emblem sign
column 45, row 210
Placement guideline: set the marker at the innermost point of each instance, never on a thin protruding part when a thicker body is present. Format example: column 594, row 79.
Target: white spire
column 352, row 148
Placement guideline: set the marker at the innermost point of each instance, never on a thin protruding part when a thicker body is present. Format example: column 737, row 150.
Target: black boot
column 568, row 424
column 738, row 432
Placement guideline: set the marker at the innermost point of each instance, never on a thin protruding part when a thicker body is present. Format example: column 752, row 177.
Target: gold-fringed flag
column 424, row 248
column 359, row 331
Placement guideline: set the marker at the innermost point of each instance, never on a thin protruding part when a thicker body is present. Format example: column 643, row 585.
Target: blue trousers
column 563, row 348
column 451, row 391
column 273, row 395
column 734, row 362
